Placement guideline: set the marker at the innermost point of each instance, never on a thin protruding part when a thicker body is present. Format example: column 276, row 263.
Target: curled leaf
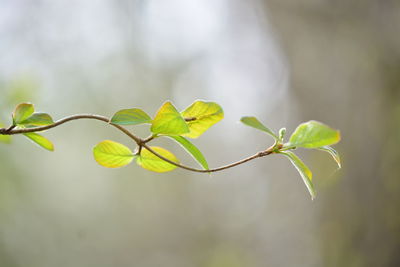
column 335, row 155
column 22, row 112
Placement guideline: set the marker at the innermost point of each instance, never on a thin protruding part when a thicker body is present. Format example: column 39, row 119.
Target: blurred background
column 283, row 61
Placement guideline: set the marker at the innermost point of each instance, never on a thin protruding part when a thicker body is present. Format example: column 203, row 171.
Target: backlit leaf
column 313, row 134
column 131, row 116
column 255, row 123
column 4, row 138
column 22, row 112
column 151, row 162
column 200, row 116
column 169, row 121
column 37, row 119
column 335, row 155
column 40, row 140
column 303, row 170
column 111, row 154
column 192, row 149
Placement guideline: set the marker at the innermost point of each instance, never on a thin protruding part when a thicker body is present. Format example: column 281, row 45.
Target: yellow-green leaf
column 255, row 123
column 131, row 116
column 313, row 134
column 169, row 121
column 22, row 112
column 111, row 154
column 151, row 162
column 4, row 138
column 303, row 170
column 335, row 155
column 37, row 119
column 192, row 149
column 200, row 116
column 40, row 140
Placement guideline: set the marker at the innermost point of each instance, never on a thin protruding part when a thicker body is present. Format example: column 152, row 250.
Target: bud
column 282, row 133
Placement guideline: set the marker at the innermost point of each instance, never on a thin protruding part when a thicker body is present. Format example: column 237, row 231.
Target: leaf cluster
column 24, row 116
column 192, row 122
column 311, row 135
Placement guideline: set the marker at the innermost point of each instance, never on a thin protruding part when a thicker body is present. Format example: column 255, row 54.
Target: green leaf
column 131, row 116
column 168, row 121
column 40, row 140
column 335, row 155
column 22, row 112
column 313, row 134
column 200, row 116
column 255, row 123
column 192, row 149
column 111, row 154
column 37, row 119
column 151, row 162
column 303, row 170
column 4, row 138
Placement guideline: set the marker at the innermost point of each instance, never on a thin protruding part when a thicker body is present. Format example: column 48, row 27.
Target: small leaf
column 200, row 116
column 335, row 155
column 303, row 170
column 40, row 140
column 37, row 119
column 133, row 116
column 151, row 162
column 22, row 112
column 313, row 134
column 6, row 139
column 255, row 123
column 111, row 154
column 192, row 149
column 168, row 121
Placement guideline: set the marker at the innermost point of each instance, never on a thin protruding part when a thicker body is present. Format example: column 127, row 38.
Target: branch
column 11, row 131
column 191, row 122
column 140, row 142
column 258, row 155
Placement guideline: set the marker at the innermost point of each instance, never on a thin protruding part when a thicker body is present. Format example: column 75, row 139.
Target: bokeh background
column 284, row 61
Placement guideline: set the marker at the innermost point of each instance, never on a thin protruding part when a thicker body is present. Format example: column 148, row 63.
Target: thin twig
column 67, row 119
column 258, row 155
column 140, row 142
